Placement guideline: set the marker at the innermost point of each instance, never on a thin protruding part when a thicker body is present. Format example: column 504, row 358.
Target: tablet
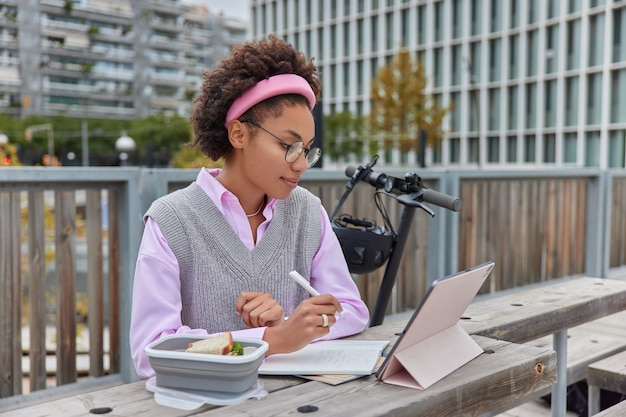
column 433, row 343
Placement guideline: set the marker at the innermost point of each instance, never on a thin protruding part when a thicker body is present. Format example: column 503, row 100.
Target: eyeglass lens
column 296, row 149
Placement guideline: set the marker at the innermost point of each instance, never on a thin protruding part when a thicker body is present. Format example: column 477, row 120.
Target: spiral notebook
column 328, row 357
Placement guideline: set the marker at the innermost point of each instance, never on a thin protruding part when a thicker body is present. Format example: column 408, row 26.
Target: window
column 571, row 101
column 574, row 6
column 457, row 19
column 438, row 64
column 531, row 105
column 596, row 39
column 359, row 77
column 494, row 60
column 511, row 149
column 594, row 99
column 570, row 146
column 549, row 102
column 374, row 33
column 617, row 149
column 549, row 148
column 475, row 17
column 346, row 79
column 455, row 113
column 406, row 27
column 474, row 109
column 421, row 25
column 514, row 13
column 458, row 65
column 512, row 107
column 439, row 23
column 472, row 150
column 529, row 148
column 494, row 109
column 531, row 53
column 619, row 35
column 496, row 15
column 553, row 9
column 359, row 36
column 533, row 10
column 513, row 57
column 618, row 96
column 475, row 56
column 573, row 45
column 592, row 149
column 493, row 149
column 389, row 31
column 454, row 145
column 551, row 55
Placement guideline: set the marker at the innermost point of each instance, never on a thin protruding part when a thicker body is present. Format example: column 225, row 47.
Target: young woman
column 216, row 256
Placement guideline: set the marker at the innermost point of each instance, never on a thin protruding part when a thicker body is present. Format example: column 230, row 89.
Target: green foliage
column 8, row 155
column 400, row 105
column 158, row 135
column 161, row 134
column 191, row 157
column 344, row 134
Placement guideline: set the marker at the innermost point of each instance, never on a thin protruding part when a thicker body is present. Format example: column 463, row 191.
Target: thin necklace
column 257, row 210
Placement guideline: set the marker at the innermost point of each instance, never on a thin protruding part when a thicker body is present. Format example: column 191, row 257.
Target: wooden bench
column 608, row 374
column 559, row 314
column 618, row 410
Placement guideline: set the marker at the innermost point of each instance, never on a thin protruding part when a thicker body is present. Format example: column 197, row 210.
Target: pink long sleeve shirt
column 157, row 305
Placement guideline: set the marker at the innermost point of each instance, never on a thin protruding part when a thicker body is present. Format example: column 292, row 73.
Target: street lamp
column 4, row 138
column 28, row 133
column 124, row 145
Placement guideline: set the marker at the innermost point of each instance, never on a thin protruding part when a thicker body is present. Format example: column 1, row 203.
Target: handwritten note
column 327, row 357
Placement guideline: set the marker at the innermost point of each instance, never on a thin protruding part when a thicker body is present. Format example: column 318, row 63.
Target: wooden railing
column 69, row 239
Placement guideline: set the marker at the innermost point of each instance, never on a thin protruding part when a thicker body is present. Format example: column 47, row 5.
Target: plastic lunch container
column 176, row 368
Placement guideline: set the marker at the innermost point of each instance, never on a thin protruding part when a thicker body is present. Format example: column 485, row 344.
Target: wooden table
column 551, row 308
column 499, row 379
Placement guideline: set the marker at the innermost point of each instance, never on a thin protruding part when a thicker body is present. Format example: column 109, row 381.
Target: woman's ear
column 236, row 133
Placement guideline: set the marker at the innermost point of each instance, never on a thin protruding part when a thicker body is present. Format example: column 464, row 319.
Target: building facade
column 107, row 58
column 533, row 82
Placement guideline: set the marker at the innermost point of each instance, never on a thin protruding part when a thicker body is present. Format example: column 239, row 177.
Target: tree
column 401, row 108
column 344, row 134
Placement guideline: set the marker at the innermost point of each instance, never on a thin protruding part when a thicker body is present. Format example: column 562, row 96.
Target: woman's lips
column 291, row 182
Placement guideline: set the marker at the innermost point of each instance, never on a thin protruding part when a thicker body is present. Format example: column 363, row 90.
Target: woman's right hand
column 304, row 325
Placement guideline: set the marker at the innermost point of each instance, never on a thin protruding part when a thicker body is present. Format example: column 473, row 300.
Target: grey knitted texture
column 215, row 266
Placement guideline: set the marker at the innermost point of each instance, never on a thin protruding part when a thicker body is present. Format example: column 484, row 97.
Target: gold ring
column 325, row 318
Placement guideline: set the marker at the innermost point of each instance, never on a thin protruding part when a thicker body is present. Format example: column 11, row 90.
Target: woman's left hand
column 258, row 309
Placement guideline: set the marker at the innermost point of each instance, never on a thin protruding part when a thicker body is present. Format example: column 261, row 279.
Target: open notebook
column 433, row 344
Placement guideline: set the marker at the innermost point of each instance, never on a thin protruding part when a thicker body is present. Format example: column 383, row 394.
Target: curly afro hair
column 248, row 64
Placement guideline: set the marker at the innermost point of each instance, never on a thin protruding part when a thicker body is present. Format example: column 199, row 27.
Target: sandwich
column 221, row 344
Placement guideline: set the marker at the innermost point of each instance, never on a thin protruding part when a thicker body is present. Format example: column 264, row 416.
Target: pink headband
column 271, row 87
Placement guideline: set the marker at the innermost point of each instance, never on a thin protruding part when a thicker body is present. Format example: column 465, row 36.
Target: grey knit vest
column 215, row 266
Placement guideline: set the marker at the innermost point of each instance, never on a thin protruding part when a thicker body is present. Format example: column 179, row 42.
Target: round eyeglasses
column 294, row 150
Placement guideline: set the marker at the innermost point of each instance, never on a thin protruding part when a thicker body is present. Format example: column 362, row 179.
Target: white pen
column 305, row 284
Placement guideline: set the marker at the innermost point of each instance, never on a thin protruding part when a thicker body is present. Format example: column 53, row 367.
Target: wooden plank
column 37, row 290
column 16, row 290
column 10, row 294
column 95, row 287
column 540, row 220
column 114, row 280
column 584, row 347
column 65, row 261
column 526, row 315
column 489, row 382
column 618, row 410
column 609, row 373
